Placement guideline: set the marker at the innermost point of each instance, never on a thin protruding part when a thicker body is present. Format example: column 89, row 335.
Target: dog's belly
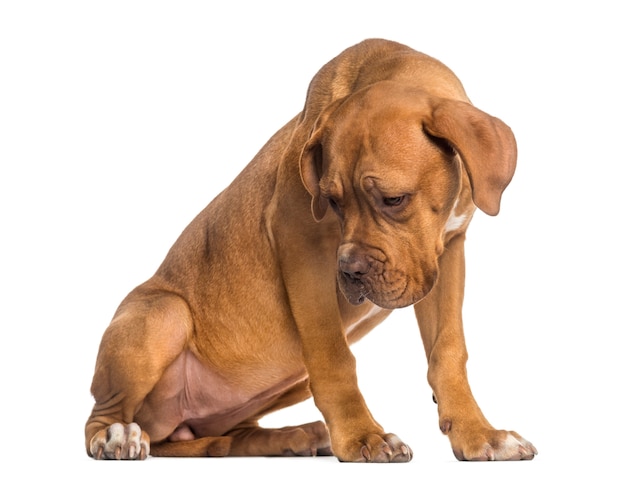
column 192, row 401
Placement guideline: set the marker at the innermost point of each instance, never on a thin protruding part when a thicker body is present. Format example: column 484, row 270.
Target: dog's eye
column 333, row 204
column 393, row 200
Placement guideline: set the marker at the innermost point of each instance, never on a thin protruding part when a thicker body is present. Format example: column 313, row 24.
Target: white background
column 120, row 120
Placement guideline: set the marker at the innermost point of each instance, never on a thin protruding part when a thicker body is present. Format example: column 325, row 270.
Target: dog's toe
column 515, row 448
column 379, row 448
column 505, row 446
column 309, row 440
column 120, row 442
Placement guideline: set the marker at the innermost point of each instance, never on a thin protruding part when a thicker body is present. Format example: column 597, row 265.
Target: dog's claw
column 403, row 452
column 99, row 453
column 387, row 448
column 527, row 452
column 365, row 452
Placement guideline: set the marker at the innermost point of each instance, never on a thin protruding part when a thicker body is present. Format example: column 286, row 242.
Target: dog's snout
column 354, row 266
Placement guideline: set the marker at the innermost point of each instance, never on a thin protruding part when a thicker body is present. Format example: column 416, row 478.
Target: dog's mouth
column 386, row 294
column 353, row 289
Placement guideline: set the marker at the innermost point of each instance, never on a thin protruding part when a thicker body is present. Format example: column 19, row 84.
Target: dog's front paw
column 493, row 445
column 120, row 442
column 374, row 448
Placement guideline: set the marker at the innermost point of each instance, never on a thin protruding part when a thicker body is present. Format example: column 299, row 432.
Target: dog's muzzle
column 366, row 275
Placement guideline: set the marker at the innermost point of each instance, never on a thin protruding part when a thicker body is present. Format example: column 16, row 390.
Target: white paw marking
column 510, row 448
column 120, row 443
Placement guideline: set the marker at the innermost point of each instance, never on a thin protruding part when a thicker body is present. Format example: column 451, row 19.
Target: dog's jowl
column 357, row 206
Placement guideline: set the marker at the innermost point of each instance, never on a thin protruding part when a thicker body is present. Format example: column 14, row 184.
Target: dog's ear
column 486, row 146
column 311, row 170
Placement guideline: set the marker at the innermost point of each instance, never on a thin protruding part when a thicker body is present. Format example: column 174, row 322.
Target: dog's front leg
column 460, row 418
column 355, row 435
column 307, row 253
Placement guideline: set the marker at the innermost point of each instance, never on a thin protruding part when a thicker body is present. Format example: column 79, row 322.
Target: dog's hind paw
column 120, row 442
column 306, row 440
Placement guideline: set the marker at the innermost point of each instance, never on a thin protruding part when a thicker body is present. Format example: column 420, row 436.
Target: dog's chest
column 357, row 322
column 458, row 218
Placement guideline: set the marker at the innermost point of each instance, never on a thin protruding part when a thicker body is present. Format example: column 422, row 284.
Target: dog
column 357, row 206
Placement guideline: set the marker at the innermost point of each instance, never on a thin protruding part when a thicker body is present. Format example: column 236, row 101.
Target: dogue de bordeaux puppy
column 357, row 206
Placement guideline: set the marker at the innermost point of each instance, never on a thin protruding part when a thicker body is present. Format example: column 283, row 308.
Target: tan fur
column 256, row 303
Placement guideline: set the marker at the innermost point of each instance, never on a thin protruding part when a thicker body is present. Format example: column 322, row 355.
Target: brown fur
column 256, row 303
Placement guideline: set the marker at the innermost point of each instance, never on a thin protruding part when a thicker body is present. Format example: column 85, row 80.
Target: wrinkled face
column 392, row 189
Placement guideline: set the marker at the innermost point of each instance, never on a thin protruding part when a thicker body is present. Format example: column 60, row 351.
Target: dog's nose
column 353, row 266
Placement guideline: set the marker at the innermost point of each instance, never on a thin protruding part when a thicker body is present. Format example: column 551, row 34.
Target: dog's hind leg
column 202, row 447
column 249, row 439
column 306, row 440
column 149, row 330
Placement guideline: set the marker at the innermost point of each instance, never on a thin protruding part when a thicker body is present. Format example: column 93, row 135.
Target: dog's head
column 389, row 160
